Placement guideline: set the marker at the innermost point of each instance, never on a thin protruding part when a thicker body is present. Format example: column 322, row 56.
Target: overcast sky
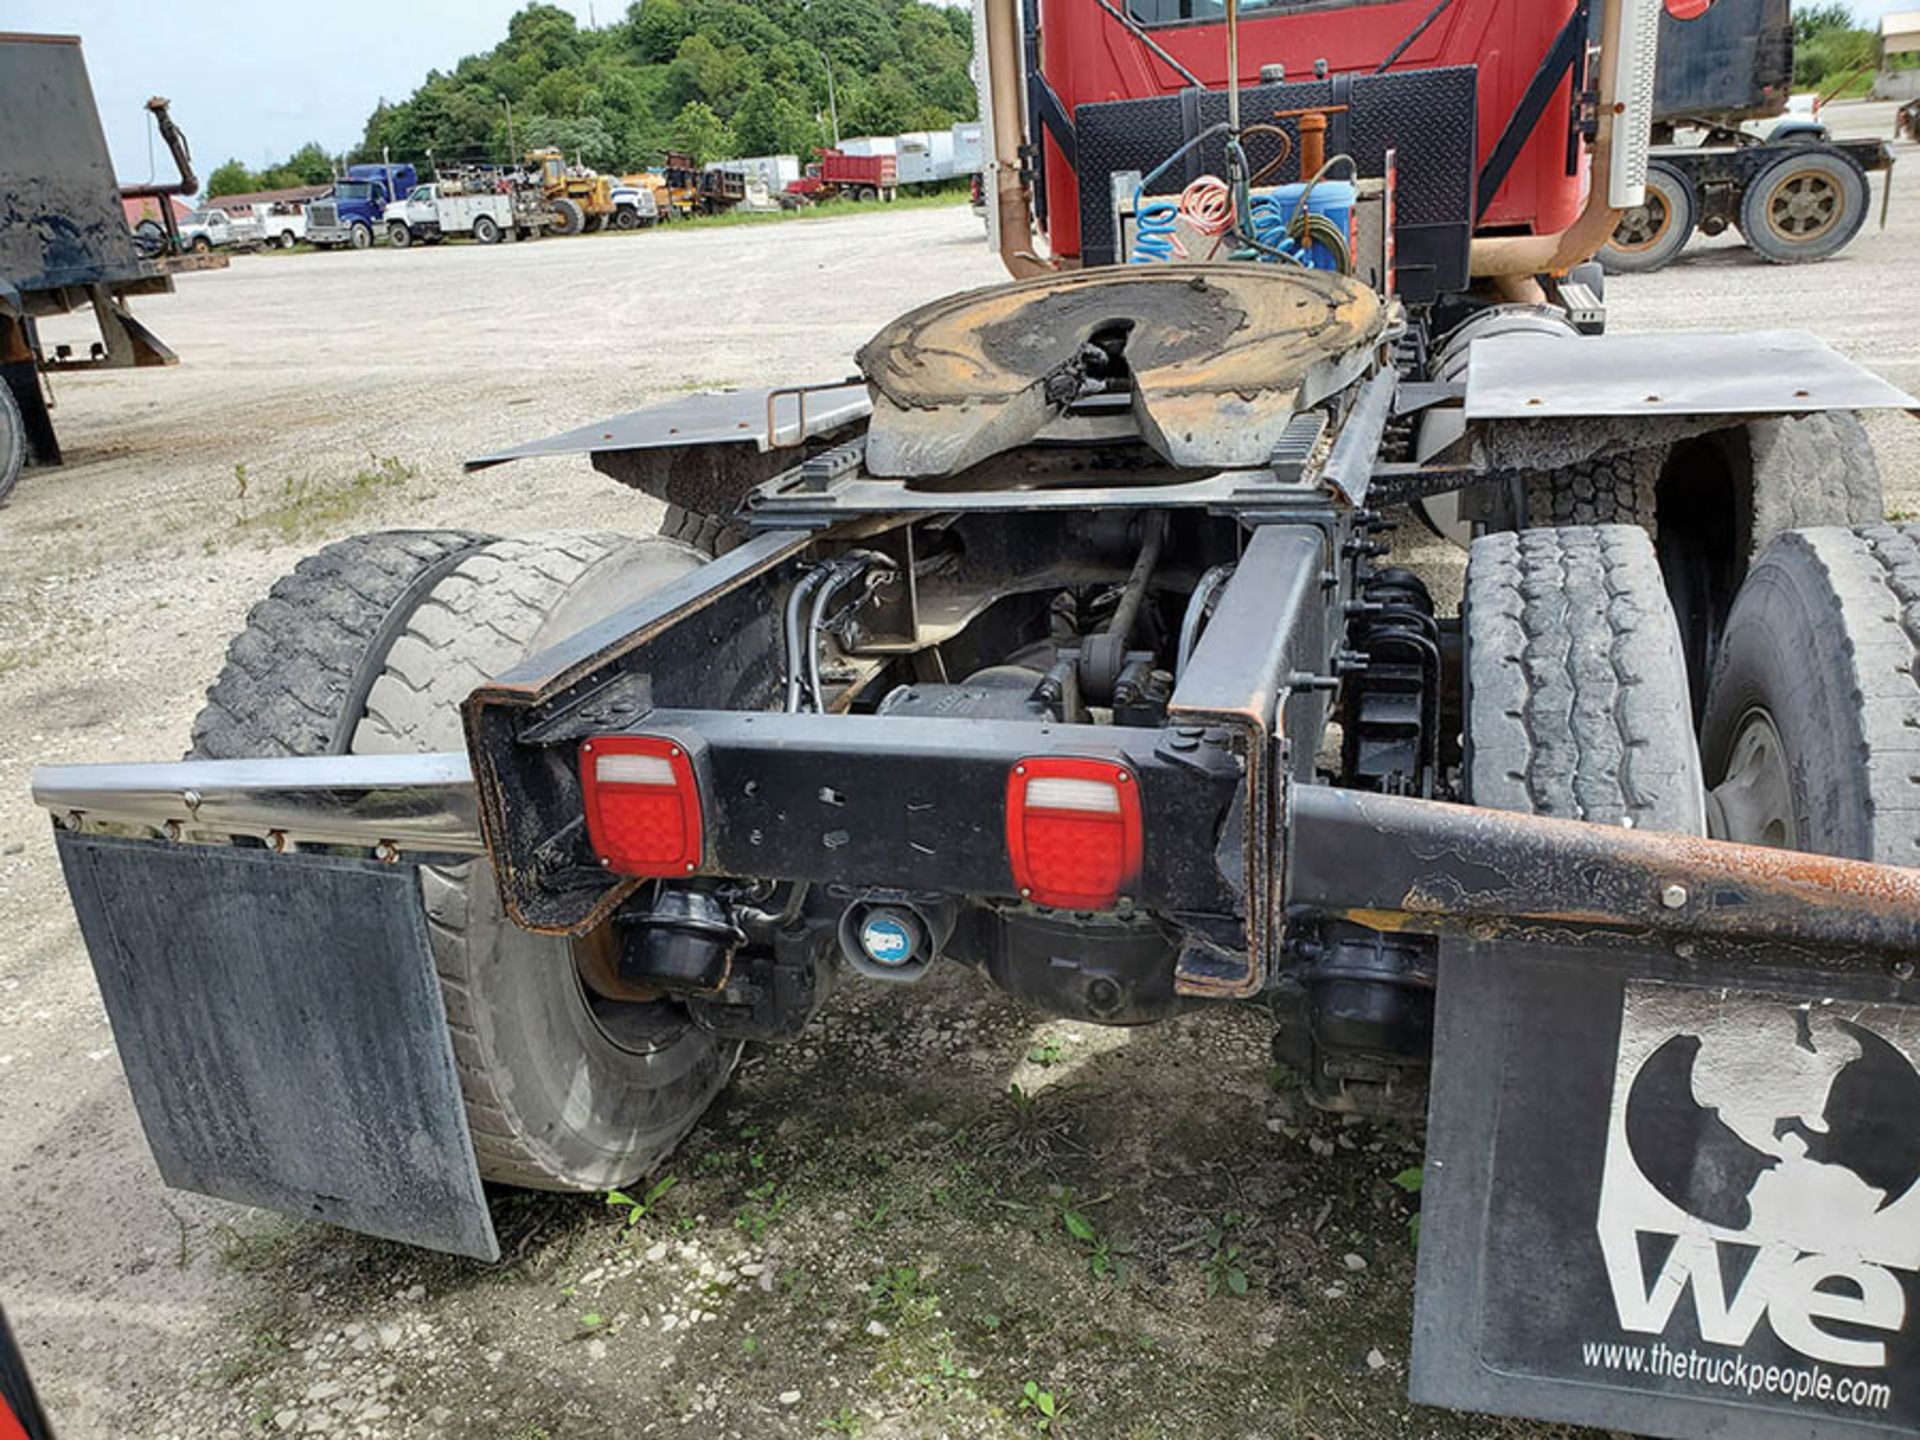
column 255, row 81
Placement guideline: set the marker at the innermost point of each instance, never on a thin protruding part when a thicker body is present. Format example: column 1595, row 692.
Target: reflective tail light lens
column 643, row 805
column 1073, row 831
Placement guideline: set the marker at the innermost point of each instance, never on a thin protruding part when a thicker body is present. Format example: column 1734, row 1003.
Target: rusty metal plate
column 1219, row 356
column 1763, row 372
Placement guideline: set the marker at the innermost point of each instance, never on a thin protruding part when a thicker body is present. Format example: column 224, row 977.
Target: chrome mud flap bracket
column 283, row 1034
column 1671, row 1197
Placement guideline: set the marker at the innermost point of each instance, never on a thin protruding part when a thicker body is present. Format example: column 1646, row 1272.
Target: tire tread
column 1577, row 701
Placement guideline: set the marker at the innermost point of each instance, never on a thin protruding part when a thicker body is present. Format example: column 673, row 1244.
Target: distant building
column 291, row 198
column 148, row 208
column 1899, row 77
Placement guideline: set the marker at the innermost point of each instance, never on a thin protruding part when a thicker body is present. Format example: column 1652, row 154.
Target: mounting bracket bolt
column 1674, row 897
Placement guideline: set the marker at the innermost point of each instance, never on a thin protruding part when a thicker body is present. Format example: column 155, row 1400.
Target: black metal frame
column 1244, row 846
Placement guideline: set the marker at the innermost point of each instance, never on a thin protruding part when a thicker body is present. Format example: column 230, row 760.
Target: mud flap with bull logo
column 1675, row 1199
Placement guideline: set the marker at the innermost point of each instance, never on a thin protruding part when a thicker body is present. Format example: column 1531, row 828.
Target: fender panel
column 283, row 1033
column 1761, row 372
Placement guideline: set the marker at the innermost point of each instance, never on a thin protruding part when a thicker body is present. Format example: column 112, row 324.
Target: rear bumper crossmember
column 784, row 787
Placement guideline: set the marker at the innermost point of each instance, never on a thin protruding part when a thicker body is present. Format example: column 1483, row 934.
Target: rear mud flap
column 1670, row 1198
column 283, row 1033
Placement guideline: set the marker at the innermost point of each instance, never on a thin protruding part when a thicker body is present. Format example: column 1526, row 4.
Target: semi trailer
column 1795, row 193
column 1064, row 643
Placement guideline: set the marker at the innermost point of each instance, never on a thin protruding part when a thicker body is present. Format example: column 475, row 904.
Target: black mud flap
column 283, row 1033
column 1672, row 1199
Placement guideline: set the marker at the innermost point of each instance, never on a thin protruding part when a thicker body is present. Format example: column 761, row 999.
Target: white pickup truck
column 213, row 229
column 429, row 214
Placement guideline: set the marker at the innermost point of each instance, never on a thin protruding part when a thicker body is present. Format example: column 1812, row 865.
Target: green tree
column 1810, row 20
column 701, row 133
column 773, row 121
column 232, row 178
column 657, row 28
column 1833, row 53
column 311, row 164
column 731, row 76
column 583, row 139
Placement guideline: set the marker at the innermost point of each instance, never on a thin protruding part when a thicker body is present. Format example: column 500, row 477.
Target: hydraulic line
column 839, row 577
column 1128, row 610
column 1196, row 616
column 791, row 634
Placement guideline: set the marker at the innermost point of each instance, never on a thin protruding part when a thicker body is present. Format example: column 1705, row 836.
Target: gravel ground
column 868, row 1235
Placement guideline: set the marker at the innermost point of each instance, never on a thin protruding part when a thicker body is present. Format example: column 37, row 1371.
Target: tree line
column 1828, row 45
column 713, row 78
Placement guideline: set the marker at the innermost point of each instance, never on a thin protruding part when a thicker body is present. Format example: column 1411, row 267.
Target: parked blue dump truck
column 355, row 212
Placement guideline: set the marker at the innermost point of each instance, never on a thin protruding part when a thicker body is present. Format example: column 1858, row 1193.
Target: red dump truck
column 837, row 175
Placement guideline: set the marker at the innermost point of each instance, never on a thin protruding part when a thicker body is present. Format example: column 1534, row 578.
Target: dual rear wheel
column 1805, row 205
column 1578, row 703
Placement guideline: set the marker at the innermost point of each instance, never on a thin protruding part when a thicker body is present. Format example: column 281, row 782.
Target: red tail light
column 1073, row 831
column 643, row 805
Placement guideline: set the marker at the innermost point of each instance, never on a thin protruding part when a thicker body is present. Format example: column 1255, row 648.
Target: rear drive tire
column 1812, row 731
column 13, row 441
column 485, row 230
column 1576, row 686
column 1812, row 470
column 1615, row 489
column 1804, row 206
column 1652, row 235
column 562, row 1092
column 1792, row 474
column 709, row 534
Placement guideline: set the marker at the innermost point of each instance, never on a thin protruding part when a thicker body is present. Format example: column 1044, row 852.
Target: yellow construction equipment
column 581, row 199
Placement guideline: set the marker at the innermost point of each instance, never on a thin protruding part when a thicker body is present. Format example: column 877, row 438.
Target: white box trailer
column 429, row 214
column 929, row 156
column 871, row 145
column 969, row 148
column 925, row 156
column 775, row 172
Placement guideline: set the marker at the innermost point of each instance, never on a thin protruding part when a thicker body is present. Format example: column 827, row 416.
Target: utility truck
column 1064, row 644
column 430, row 213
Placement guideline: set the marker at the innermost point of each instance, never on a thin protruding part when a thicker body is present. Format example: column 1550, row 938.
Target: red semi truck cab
column 1087, row 56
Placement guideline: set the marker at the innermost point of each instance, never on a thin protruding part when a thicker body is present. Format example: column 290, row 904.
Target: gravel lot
column 866, row 1237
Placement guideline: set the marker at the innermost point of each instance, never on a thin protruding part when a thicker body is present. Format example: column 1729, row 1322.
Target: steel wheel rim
column 1754, row 804
column 1804, row 206
column 1642, row 227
